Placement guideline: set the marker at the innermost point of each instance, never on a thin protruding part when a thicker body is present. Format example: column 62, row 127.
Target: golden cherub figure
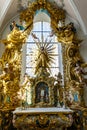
column 67, row 34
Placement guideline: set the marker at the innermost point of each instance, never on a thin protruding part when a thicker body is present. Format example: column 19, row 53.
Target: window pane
column 30, row 61
column 55, row 50
column 30, row 39
column 54, row 71
column 54, row 39
column 30, row 48
column 56, row 62
column 46, row 36
column 42, row 30
column 30, row 71
column 46, row 26
column 37, row 26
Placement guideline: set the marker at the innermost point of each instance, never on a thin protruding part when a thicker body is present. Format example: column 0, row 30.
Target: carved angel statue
column 25, row 90
column 14, row 25
column 79, row 72
column 16, row 36
column 25, row 83
column 67, row 34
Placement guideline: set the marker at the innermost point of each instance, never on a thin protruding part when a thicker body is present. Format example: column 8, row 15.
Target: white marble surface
column 41, row 110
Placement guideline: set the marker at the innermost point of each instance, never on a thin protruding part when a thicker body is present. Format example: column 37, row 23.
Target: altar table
column 42, row 118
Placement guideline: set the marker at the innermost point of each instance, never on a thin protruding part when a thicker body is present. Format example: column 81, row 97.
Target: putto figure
column 14, row 25
column 79, row 72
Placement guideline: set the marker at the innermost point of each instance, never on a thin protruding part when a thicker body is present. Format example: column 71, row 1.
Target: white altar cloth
column 42, row 110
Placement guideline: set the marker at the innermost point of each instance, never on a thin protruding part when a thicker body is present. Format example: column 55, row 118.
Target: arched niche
column 42, row 92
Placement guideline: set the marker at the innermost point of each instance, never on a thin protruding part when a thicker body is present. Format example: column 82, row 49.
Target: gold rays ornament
column 43, row 54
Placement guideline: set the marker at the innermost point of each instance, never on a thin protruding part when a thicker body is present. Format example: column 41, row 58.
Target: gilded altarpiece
column 43, row 85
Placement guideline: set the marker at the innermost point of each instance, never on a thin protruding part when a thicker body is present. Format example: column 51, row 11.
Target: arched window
column 42, row 30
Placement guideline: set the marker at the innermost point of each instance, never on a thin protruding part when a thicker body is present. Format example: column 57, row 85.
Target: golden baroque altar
column 47, row 92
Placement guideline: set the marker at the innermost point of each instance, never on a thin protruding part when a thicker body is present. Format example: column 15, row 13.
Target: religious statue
column 42, row 93
column 42, row 58
column 67, row 34
column 79, row 72
column 44, row 54
column 59, row 79
column 13, row 25
column 25, row 90
column 17, row 36
column 26, row 80
column 69, row 98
